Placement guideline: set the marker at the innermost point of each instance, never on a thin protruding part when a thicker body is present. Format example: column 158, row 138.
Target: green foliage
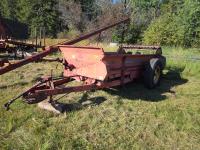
column 45, row 14
column 24, row 8
column 142, row 13
column 6, row 9
column 180, row 27
column 163, row 31
column 190, row 15
column 89, row 8
column 34, row 13
column 128, row 34
column 163, row 22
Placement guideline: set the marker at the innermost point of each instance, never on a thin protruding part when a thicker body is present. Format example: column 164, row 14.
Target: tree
column 34, row 13
column 142, row 13
column 8, row 9
column 89, row 8
column 23, row 11
column 45, row 14
column 189, row 18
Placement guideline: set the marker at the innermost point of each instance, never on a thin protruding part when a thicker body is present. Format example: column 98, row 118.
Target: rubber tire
column 149, row 73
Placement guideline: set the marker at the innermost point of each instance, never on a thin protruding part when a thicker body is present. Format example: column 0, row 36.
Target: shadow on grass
column 134, row 91
column 137, row 90
column 84, row 102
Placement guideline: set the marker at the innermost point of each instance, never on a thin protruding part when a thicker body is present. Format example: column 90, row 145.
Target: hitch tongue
column 7, row 105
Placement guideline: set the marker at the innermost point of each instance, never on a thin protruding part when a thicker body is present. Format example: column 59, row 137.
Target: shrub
column 180, row 28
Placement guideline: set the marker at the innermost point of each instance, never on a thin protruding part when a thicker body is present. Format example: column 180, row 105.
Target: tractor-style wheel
column 153, row 73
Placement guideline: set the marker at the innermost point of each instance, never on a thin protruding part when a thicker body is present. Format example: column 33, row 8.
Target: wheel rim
column 156, row 75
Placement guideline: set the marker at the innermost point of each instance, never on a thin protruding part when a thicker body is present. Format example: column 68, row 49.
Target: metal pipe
column 44, row 36
column 36, row 36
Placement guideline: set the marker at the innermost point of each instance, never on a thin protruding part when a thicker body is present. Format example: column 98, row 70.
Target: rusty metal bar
column 67, row 90
column 141, row 47
column 26, row 61
column 54, row 48
column 14, row 42
column 7, row 105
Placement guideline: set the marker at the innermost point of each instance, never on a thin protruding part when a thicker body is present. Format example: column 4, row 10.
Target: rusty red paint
column 95, row 68
column 94, row 63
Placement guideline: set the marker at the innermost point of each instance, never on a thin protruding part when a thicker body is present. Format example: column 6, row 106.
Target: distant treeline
column 160, row 22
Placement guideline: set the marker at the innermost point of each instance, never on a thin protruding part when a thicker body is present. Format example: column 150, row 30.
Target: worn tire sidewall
column 149, row 73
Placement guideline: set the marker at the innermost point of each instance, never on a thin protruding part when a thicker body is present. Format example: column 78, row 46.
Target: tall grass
column 187, row 60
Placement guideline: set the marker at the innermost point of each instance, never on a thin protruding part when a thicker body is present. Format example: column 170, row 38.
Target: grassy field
column 130, row 117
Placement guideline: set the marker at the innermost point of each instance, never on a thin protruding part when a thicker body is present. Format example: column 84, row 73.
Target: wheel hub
column 157, row 75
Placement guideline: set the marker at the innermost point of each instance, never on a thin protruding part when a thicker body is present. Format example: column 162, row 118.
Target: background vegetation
column 163, row 22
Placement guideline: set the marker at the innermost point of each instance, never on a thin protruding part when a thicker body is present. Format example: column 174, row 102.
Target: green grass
column 130, row 117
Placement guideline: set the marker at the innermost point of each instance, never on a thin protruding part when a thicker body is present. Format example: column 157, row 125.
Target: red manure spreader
column 96, row 69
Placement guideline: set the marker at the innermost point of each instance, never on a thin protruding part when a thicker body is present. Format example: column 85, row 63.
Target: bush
column 164, row 31
column 180, row 28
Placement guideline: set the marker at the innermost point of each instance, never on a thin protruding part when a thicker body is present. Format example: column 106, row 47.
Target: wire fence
column 190, row 58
